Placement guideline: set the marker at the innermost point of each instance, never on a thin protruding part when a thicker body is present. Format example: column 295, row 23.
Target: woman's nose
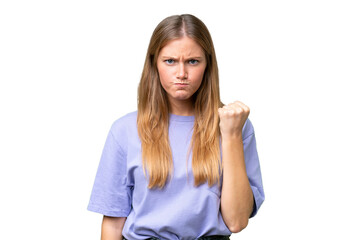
column 181, row 73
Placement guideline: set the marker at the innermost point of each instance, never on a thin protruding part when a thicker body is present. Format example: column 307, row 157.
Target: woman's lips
column 181, row 84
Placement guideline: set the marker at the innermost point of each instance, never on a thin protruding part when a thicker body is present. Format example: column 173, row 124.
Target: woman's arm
column 236, row 196
column 111, row 228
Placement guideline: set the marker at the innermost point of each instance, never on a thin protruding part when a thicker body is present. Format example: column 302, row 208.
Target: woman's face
column 181, row 65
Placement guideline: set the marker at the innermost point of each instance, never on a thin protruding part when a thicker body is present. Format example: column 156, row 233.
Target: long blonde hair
column 153, row 108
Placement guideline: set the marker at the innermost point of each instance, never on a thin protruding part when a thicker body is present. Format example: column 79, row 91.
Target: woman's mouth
column 181, row 83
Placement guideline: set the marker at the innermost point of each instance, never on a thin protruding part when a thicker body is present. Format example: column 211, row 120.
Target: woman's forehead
column 184, row 46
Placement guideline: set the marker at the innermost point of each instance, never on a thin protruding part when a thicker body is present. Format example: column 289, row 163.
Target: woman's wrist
column 231, row 139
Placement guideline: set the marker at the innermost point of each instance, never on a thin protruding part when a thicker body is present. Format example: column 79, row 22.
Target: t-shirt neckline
column 179, row 118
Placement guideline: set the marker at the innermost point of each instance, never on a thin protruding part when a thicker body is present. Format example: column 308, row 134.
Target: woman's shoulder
column 124, row 129
column 124, row 122
column 131, row 116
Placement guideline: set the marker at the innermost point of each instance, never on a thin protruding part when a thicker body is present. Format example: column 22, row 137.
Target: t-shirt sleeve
column 110, row 195
column 253, row 166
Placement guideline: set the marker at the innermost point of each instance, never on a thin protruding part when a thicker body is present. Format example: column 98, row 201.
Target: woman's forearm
column 111, row 228
column 236, row 196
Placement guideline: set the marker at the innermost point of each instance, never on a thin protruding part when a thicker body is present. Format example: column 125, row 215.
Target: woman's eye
column 193, row 61
column 169, row 61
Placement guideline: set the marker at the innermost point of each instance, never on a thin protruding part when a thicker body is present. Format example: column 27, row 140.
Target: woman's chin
column 181, row 98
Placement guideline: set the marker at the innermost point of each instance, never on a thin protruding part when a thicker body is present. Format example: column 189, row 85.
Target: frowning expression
column 181, row 65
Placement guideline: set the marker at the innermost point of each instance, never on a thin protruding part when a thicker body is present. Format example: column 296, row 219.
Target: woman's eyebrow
column 172, row 57
column 167, row 57
column 195, row 57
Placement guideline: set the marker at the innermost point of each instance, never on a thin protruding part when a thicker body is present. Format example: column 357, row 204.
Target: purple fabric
column 179, row 210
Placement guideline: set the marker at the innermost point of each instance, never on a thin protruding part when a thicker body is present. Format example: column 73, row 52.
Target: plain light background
column 68, row 69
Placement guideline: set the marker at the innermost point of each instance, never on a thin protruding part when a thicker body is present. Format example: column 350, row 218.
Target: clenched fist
column 232, row 119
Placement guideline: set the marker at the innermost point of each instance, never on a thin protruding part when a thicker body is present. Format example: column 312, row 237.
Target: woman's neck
column 182, row 108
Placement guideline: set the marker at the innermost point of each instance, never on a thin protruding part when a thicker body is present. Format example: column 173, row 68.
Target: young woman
column 184, row 166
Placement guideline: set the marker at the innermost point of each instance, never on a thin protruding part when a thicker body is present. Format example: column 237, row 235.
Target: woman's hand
column 232, row 119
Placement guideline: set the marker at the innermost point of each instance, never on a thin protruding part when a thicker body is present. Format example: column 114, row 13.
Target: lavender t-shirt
column 179, row 210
